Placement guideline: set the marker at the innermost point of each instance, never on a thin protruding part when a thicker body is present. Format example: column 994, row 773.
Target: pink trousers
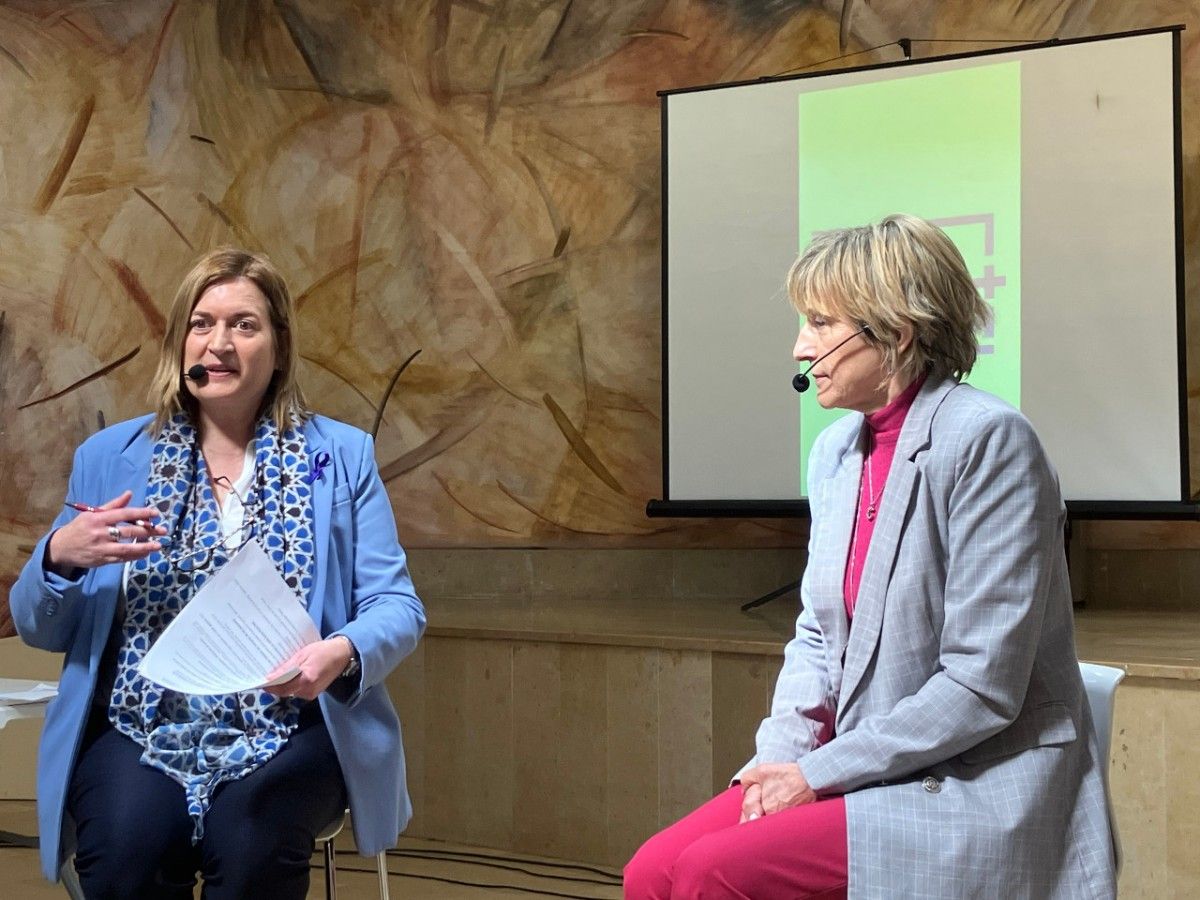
column 799, row 852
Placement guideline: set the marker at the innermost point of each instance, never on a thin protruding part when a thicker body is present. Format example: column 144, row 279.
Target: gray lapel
column 826, row 588
column 914, row 437
column 877, row 573
column 885, row 541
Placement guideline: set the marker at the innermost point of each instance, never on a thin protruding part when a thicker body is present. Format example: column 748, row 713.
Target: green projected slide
column 944, row 146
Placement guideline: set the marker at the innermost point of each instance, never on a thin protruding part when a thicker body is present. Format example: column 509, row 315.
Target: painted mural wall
column 463, row 195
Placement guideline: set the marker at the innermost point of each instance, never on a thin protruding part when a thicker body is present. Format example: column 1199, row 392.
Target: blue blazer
column 361, row 588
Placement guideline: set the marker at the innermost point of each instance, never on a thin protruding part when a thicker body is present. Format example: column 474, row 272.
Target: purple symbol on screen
column 989, row 280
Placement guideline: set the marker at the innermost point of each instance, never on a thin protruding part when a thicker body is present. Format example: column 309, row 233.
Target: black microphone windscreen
column 800, row 383
column 196, row 372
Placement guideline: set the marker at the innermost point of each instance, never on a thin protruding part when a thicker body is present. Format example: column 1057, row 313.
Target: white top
column 233, row 513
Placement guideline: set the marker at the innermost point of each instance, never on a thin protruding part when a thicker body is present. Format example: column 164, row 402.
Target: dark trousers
column 135, row 836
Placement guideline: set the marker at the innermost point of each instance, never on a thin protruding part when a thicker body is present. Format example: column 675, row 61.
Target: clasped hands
column 773, row 787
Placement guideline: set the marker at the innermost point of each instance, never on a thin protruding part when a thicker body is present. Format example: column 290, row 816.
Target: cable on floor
column 507, row 863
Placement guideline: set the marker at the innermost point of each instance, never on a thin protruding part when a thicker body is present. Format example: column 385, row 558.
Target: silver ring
column 114, row 532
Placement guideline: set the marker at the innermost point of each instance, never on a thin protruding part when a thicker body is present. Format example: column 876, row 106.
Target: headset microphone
column 199, row 373
column 800, row 380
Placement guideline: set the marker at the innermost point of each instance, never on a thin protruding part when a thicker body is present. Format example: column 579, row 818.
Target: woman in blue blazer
column 147, row 786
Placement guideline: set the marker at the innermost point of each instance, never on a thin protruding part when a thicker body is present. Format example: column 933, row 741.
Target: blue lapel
column 128, row 470
column 322, row 507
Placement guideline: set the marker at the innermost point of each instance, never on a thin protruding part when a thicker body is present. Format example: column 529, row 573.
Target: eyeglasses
column 200, row 558
column 197, row 559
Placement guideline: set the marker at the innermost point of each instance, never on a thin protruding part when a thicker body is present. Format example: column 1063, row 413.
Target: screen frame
column 1183, row 509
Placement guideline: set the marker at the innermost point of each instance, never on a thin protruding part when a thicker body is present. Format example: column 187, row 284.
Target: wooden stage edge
column 1146, row 643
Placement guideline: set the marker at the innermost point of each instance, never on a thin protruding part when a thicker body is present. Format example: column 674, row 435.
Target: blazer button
column 50, row 607
column 931, row 785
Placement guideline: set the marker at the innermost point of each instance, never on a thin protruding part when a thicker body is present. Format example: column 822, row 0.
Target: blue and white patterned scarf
column 200, row 741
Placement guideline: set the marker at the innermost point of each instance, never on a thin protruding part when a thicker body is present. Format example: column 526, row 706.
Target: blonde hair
column 283, row 398
column 901, row 271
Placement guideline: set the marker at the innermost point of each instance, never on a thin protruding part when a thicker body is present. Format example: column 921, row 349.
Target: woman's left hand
column 319, row 663
column 773, row 787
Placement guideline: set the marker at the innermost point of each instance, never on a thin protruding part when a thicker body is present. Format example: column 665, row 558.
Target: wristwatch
column 354, row 666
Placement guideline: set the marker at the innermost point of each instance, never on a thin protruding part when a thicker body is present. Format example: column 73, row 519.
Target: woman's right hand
column 111, row 534
column 752, row 807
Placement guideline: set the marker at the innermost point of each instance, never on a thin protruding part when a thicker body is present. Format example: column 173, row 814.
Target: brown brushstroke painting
column 476, row 181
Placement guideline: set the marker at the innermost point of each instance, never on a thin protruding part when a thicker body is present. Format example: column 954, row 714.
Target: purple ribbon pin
column 319, row 464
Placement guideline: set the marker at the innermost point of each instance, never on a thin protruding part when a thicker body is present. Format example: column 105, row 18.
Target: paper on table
column 243, row 623
column 14, row 692
column 21, row 698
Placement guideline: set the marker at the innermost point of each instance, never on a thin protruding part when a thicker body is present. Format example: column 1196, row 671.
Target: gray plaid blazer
column 952, row 714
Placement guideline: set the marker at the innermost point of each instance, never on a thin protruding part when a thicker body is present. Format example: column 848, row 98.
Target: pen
column 83, row 507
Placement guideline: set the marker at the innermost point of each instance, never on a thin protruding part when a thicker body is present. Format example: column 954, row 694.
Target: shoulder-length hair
column 900, row 271
column 283, row 398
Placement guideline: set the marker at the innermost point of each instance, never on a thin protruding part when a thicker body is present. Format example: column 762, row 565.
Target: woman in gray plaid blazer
column 929, row 734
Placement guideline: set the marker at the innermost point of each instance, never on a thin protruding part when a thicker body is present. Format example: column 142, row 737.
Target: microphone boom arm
column 800, row 380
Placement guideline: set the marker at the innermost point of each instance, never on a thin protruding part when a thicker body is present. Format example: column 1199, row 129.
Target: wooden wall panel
column 1138, row 782
column 1180, row 704
column 685, row 766
column 469, row 788
column 537, row 699
column 581, row 772
column 742, row 688
column 634, row 729
column 579, row 751
column 1156, row 797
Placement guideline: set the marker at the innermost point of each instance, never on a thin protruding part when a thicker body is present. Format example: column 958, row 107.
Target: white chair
column 1101, row 682
column 326, row 838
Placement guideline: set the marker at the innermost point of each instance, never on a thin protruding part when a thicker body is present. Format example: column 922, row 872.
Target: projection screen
column 1056, row 171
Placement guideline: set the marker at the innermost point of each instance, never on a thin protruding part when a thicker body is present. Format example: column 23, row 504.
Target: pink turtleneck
column 883, row 432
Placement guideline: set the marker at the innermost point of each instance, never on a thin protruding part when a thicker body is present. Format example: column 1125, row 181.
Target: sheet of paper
column 243, row 623
column 18, row 691
column 21, row 698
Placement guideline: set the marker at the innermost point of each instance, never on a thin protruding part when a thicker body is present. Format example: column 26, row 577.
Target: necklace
column 854, row 577
column 872, row 498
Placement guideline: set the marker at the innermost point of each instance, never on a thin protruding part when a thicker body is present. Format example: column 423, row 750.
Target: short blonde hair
column 284, row 398
column 901, row 271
